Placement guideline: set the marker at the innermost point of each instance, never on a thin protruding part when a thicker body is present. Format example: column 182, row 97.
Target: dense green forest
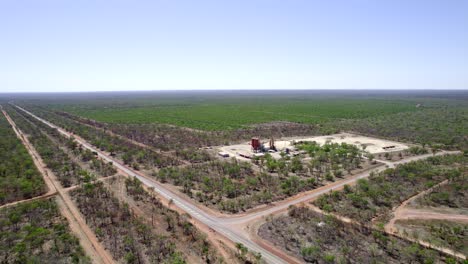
column 36, row 232
column 19, row 177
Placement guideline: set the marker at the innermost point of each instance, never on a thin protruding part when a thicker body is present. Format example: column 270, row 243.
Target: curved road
column 226, row 225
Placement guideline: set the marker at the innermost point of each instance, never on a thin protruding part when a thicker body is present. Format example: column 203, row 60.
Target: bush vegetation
column 381, row 192
column 125, row 235
column 19, row 177
column 232, row 113
column 441, row 127
column 235, row 186
column 67, row 171
column 35, row 232
column 174, row 226
column 439, row 233
column 453, row 195
column 128, row 152
column 317, row 238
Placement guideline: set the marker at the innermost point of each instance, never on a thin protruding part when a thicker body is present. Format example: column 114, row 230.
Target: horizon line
column 236, row 90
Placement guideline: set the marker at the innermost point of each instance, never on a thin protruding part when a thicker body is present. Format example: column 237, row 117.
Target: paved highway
column 226, row 225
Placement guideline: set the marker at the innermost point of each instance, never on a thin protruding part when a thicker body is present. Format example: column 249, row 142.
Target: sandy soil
column 372, row 145
column 403, row 212
column 87, row 239
column 236, row 223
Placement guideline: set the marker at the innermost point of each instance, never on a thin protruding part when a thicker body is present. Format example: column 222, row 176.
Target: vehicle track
column 86, row 236
column 231, row 227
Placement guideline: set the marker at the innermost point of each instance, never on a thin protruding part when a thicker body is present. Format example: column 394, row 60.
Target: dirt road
column 424, row 214
column 87, row 239
column 232, row 227
column 398, row 212
column 403, row 212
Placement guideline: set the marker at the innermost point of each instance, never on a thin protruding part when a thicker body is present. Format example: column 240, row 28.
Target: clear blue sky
column 99, row 45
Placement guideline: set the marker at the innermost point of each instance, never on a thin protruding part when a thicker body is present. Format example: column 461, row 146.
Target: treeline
column 35, row 232
column 378, row 194
column 317, row 238
column 19, row 177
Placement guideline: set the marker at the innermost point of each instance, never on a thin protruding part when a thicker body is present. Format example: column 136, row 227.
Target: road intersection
column 228, row 226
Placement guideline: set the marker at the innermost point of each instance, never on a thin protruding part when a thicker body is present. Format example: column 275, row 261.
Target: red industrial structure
column 255, row 144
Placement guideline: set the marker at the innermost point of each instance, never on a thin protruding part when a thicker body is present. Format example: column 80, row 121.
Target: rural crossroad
column 226, row 225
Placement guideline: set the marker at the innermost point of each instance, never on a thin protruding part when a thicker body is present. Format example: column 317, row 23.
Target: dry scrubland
column 168, row 238
column 450, row 199
column 322, row 238
column 175, row 133
column 226, row 118
column 377, row 195
column 128, row 237
column 35, row 232
column 316, row 238
column 230, row 186
column 19, row 177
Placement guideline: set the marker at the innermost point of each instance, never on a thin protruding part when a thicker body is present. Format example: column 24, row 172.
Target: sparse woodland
column 230, row 186
column 170, row 223
column 130, row 238
column 447, row 234
column 129, row 153
column 36, row 232
column 67, row 171
column 452, row 195
column 378, row 194
column 126, row 237
column 317, row 238
column 19, row 177
column 235, row 186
